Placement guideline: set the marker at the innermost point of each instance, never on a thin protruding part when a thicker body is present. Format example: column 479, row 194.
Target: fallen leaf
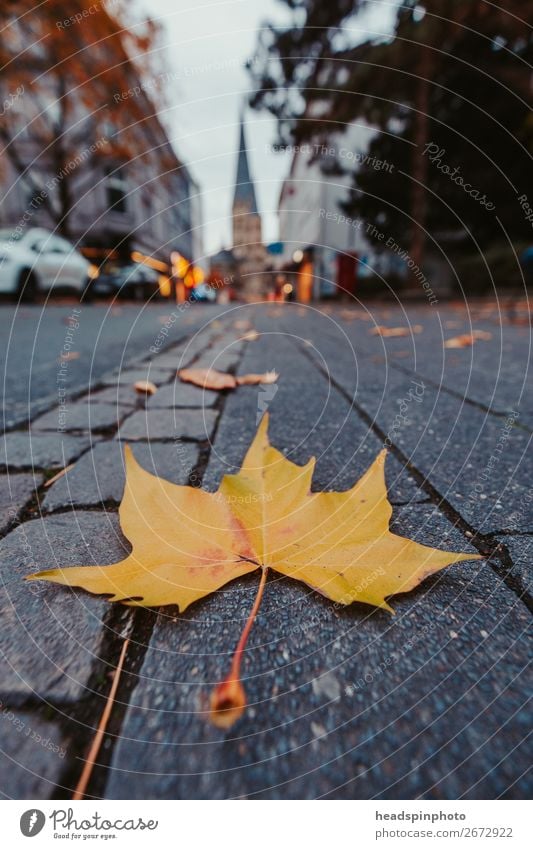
column 68, row 356
column 60, row 474
column 145, row 387
column 250, row 336
column 380, row 330
column 213, row 379
column 187, row 543
column 207, row 378
column 254, row 379
column 332, row 541
column 465, row 340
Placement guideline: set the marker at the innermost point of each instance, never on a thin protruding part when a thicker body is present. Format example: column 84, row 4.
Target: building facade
column 314, row 230
column 92, row 161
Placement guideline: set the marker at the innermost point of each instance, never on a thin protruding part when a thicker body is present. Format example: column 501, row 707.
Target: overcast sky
column 208, row 43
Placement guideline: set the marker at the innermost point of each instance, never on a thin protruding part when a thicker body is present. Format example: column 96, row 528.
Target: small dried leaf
column 145, row 387
column 207, row 378
column 213, row 379
column 60, row 474
column 466, row 340
column 380, row 330
column 250, row 336
column 254, row 379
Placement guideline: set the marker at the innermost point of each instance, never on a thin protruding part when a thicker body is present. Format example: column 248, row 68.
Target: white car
column 37, row 261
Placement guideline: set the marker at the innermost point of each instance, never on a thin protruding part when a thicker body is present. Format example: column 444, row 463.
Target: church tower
column 248, row 245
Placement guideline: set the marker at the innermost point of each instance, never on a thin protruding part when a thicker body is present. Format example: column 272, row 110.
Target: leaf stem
column 81, row 787
column 228, row 699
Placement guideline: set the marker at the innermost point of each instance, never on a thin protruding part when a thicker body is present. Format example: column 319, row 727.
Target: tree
column 288, row 60
column 452, row 77
column 460, row 112
column 79, row 87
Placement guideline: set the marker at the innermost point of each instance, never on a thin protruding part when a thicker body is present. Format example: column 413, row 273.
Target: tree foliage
column 449, row 92
column 75, row 68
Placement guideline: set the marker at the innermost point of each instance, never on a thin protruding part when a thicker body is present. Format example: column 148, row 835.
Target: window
column 59, row 246
column 117, row 190
column 38, row 245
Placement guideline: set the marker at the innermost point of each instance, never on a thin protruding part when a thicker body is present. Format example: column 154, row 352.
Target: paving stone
column 15, row 492
column 179, row 394
column 174, row 360
column 33, row 752
column 343, row 703
column 121, row 396
column 81, row 415
column 45, row 451
column 169, row 424
column 51, row 636
column 99, row 475
column 218, row 359
column 127, row 377
column 347, row 703
column 186, row 352
column 520, row 549
column 496, row 374
column 478, row 465
column 474, row 460
column 307, row 418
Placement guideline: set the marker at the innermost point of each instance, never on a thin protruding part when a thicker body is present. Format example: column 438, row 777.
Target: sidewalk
column 347, row 703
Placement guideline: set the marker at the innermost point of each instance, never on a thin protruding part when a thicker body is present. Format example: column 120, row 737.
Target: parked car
column 203, row 294
column 37, row 261
column 129, row 280
column 526, row 261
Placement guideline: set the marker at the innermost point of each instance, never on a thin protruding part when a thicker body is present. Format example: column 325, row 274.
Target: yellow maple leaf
column 187, row 543
column 338, row 543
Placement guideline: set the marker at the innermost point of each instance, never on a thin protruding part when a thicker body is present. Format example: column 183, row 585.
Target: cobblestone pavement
column 354, row 703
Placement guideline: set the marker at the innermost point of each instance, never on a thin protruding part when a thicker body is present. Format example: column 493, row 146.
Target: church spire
column 244, row 187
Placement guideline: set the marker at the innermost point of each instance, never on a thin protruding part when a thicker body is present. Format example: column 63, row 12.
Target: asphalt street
column 35, row 338
column 431, row 703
